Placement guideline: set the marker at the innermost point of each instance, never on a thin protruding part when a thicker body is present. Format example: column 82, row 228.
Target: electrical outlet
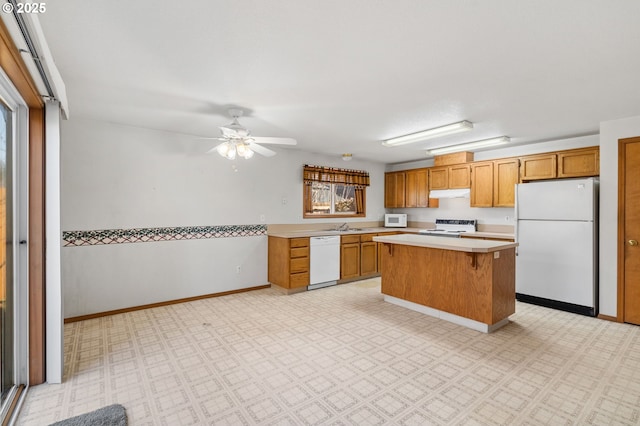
column 507, row 218
column 284, row 201
column 262, row 218
column 238, row 269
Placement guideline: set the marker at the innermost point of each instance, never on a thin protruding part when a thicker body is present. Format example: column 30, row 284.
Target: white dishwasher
column 324, row 261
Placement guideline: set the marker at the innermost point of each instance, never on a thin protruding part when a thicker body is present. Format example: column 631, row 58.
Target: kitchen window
column 332, row 192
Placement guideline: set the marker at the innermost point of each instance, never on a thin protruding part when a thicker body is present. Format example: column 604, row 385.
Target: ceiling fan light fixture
column 436, row 132
column 241, row 148
column 231, row 149
column 223, row 148
column 470, row 145
column 231, row 153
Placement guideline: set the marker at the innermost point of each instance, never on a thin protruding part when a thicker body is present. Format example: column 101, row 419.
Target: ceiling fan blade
column 214, row 148
column 276, row 141
column 262, row 150
column 215, row 139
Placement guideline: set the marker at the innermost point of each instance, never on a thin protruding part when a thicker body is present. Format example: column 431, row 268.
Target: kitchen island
column 465, row 281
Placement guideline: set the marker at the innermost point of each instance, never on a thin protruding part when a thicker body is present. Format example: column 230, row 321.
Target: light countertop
column 458, row 244
column 481, row 234
column 376, row 230
column 325, row 232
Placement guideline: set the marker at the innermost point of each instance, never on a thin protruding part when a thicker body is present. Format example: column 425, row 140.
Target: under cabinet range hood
column 450, row 193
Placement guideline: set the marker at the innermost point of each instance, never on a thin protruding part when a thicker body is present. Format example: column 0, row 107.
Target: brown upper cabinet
column 394, row 189
column 579, row 162
column 536, row 167
column 570, row 163
column 450, row 177
column 417, row 188
column 459, row 176
column 492, row 182
column 439, row 178
column 482, row 184
column 408, row 188
column 505, row 177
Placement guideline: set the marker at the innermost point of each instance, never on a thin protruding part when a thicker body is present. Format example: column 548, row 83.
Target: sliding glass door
column 13, row 247
column 6, row 249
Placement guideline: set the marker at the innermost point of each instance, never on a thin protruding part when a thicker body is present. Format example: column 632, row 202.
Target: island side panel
column 504, row 284
column 457, row 282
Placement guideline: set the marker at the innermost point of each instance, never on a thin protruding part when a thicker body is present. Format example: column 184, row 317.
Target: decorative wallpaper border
column 148, row 235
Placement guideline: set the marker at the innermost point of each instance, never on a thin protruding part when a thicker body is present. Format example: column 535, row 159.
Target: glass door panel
column 6, row 258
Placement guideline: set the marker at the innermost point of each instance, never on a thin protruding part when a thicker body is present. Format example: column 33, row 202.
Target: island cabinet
column 450, row 177
column 380, row 245
column 579, row 162
column 288, row 262
column 468, row 282
column 394, row 190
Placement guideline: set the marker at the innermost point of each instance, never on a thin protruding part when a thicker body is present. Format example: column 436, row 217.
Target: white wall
column 119, row 177
column 460, row 208
column 610, row 133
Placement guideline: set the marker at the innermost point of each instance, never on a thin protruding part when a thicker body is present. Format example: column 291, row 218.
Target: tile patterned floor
column 342, row 356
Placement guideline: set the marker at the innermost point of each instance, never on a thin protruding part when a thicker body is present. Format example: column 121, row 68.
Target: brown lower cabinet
column 349, row 257
column 288, row 259
column 368, row 255
column 358, row 256
column 288, row 262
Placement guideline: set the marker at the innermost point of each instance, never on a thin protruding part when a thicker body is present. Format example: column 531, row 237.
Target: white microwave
column 395, row 220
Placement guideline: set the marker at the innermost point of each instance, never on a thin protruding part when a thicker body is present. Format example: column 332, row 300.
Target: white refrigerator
column 557, row 228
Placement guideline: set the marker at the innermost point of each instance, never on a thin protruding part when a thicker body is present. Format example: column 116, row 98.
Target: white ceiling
column 342, row 75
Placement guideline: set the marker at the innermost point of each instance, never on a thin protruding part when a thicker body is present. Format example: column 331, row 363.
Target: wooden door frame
column 622, row 143
column 13, row 65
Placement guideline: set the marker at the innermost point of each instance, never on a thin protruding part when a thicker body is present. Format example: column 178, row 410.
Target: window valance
column 334, row 175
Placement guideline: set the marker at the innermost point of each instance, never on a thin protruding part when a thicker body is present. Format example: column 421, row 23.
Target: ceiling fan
column 237, row 140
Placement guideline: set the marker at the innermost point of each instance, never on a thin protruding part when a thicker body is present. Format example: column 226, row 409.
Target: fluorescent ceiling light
column 436, row 132
column 471, row 145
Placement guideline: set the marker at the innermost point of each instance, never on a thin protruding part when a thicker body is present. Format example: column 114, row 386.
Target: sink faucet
column 343, row 227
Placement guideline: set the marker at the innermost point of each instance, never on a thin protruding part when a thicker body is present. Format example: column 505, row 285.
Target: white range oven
column 452, row 228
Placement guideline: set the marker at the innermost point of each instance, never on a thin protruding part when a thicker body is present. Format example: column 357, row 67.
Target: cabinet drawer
column 299, row 280
column 299, row 242
column 366, row 237
column 299, row 252
column 300, row 264
column 349, row 239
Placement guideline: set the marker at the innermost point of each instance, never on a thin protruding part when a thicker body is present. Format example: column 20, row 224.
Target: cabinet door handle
column 633, row 242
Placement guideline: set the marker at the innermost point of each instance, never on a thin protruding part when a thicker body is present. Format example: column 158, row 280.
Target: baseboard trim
column 156, row 305
column 607, row 318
